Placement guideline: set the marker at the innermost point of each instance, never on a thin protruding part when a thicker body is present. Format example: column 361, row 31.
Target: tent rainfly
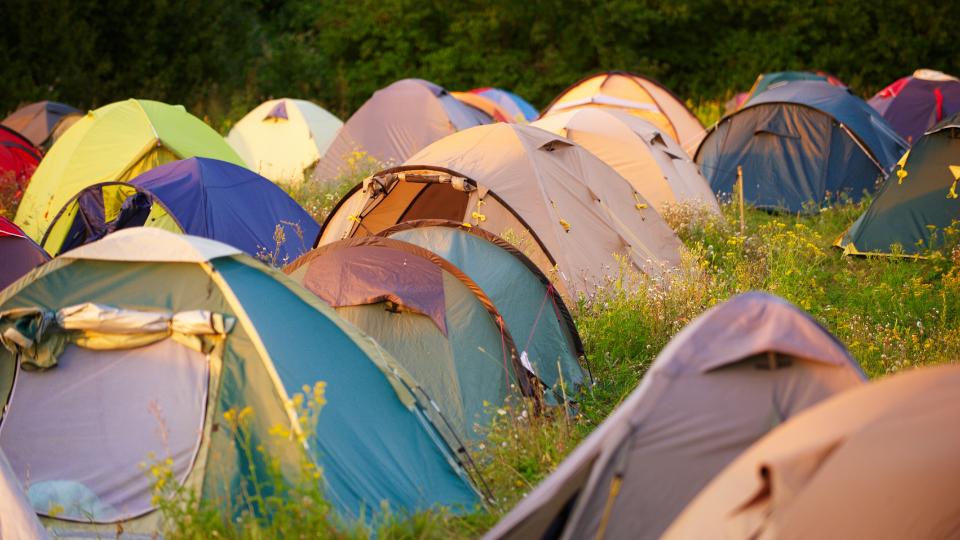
column 43, row 122
column 18, row 252
column 519, row 108
column 914, row 104
column 18, row 161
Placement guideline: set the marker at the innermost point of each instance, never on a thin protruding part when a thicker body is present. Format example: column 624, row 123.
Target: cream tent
column 114, row 143
column 636, row 95
column 651, row 161
column 878, row 462
column 17, row 518
column 282, row 137
column 569, row 212
column 723, row 382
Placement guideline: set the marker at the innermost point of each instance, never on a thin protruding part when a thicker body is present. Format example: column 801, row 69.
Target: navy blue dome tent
column 197, row 196
column 800, row 145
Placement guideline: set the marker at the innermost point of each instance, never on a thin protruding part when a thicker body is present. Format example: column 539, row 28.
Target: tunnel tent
column 280, row 138
column 534, row 313
column 395, row 123
column 433, row 319
column 878, row 461
column 800, row 145
column 197, row 196
column 43, row 122
column 651, row 161
column 916, row 103
column 637, row 95
column 917, row 204
column 569, row 212
column 18, row 252
column 115, row 143
column 723, row 382
column 521, row 110
column 182, row 330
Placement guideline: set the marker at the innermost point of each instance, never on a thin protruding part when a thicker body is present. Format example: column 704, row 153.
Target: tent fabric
column 916, row 204
column 441, row 326
column 720, row 384
column 17, row 518
column 275, row 348
column 487, row 106
column 116, row 142
column 520, row 110
column 395, row 123
column 532, row 310
column 18, row 252
column 573, row 212
column 204, row 197
column 650, row 160
column 636, row 95
column 914, row 104
column 280, row 138
column 778, row 78
column 799, row 145
column 18, row 160
column 875, row 462
column 39, row 122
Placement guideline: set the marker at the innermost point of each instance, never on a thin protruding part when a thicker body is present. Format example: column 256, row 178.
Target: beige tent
column 636, row 95
column 651, row 161
column 17, row 518
column 392, row 125
column 722, row 383
column 281, row 137
column 878, row 462
column 567, row 210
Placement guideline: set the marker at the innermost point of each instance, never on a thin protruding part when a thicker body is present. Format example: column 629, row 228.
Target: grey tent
column 722, row 383
column 42, row 122
column 17, row 518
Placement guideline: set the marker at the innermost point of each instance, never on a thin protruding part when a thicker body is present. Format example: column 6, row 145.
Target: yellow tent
column 114, row 143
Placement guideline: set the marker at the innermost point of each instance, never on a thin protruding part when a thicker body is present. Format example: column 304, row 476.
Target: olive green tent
column 429, row 315
column 916, row 204
column 115, row 350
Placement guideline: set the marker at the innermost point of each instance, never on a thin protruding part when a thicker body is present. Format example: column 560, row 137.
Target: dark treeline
column 219, row 57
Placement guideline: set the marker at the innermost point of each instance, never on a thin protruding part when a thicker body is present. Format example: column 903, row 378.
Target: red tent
column 18, row 159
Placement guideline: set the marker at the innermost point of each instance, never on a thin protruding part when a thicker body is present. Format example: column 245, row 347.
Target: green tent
column 429, row 315
column 916, row 204
column 113, row 352
column 531, row 307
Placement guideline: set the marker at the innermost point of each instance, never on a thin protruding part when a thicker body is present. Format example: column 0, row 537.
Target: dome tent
column 914, row 104
column 916, row 204
column 878, row 461
column 723, row 382
column 431, row 317
column 43, row 122
column 394, row 124
column 18, row 160
column 531, row 308
column 573, row 212
column 521, row 110
column 652, row 162
column 637, row 95
column 114, row 144
column 489, row 107
column 18, row 252
column 184, row 325
column 280, row 138
column 779, row 78
column 799, row 144
column 19, row 520
column 197, row 196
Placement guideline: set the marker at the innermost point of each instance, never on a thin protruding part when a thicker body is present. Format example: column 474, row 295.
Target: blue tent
column 800, row 145
column 198, row 196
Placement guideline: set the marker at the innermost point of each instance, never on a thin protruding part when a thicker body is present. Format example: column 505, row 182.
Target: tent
column 149, row 341
column 394, row 124
column 914, row 104
column 19, row 254
column 43, row 122
column 18, row 161
column 636, row 95
column 197, row 196
column 651, row 161
column 519, row 108
column 438, row 324
column 531, row 308
column 17, row 518
column 115, row 143
column 916, row 204
column 779, row 78
column 282, row 137
column 799, row 145
column 570, row 213
column 876, row 462
column 491, row 108
column 723, row 382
